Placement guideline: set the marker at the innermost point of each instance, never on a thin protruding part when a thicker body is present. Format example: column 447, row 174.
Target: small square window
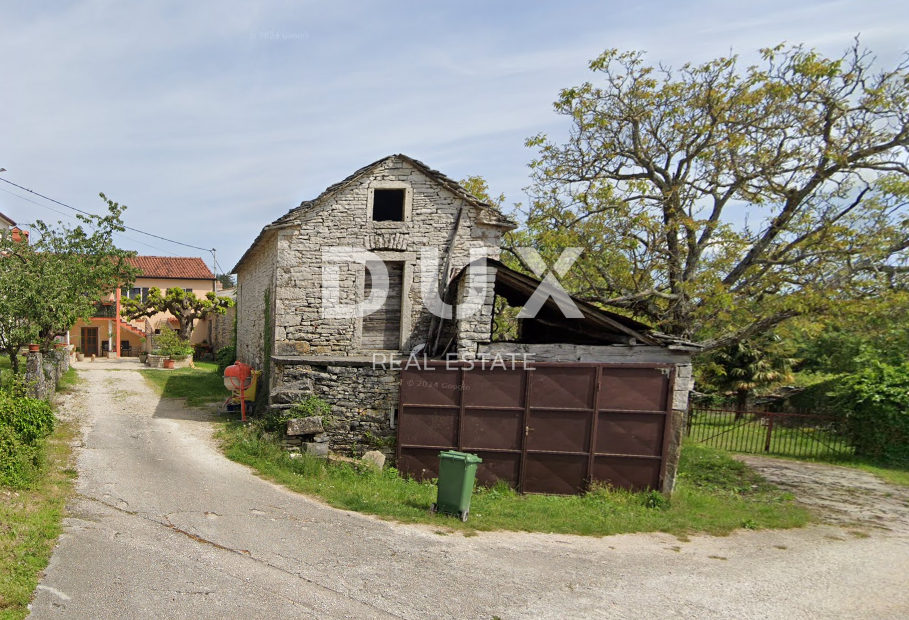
column 388, row 205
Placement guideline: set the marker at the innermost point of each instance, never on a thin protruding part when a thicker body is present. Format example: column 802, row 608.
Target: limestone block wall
column 476, row 329
column 43, row 372
column 343, row 220
column 253, row 280
column 222, row 330
column 363, row 400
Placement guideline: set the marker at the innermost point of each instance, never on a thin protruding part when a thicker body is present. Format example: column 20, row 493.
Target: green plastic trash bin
column 457, row 472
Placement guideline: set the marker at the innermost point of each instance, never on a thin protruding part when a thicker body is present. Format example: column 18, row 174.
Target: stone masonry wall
column 222, row 330
column 253, row 280
column 43, row 372
column 363, row 401
column 342, row 220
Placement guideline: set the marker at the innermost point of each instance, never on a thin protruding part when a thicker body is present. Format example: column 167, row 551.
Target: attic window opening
column 388, row 205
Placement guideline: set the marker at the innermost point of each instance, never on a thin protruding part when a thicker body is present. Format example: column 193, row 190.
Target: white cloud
column 209, row 129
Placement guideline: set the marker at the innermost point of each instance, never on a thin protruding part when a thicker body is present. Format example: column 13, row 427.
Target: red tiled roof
column 172, row 267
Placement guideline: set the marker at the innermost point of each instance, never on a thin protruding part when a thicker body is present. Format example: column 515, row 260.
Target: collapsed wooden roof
column 597, row 326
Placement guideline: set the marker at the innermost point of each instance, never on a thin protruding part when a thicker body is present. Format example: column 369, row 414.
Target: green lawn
column 30, row 522
column 749, row 435
column 715, row 494
column 199, row 385
column 814, row 445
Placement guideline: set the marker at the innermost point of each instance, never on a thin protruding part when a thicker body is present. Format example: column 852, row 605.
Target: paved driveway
column 163, row 526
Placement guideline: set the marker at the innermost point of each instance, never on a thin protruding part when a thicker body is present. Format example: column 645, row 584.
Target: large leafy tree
column 717, row 201
column 183, row 305
column 748, row 367
column 57, row 278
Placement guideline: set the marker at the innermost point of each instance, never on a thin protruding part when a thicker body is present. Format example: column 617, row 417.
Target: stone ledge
column 358, row 361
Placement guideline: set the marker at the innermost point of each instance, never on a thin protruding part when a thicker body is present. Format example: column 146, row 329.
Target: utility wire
column 34, row 202
column 142, row 232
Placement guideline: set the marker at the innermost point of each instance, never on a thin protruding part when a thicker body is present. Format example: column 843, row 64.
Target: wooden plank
column 382, row 328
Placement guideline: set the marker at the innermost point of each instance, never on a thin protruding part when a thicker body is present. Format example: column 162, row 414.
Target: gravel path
column 163, row 526
column 839, row 495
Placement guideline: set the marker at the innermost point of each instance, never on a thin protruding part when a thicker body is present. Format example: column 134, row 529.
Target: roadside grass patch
column 30, row 522
column 715, row 494
column 69, row 381
column 199, row 385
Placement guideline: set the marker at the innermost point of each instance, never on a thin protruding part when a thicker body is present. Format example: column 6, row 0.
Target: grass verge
column 715, row 494
column 30, row 522
column 69, row 380
column 199, row 385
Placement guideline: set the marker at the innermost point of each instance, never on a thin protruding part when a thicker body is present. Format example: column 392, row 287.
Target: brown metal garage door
column 551, row 428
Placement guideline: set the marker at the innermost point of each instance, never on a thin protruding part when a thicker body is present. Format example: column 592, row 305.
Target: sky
column 211, row 119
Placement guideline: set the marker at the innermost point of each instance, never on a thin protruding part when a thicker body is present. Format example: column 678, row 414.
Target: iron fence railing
column 104, row 311
column 781, row 434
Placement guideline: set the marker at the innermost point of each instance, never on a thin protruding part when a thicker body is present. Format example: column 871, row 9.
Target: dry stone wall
column 363, row 400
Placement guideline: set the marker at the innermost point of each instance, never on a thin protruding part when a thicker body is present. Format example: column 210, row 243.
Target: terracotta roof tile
column 189, row 268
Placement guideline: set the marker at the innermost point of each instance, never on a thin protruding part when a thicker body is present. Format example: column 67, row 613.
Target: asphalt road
column 163, row 526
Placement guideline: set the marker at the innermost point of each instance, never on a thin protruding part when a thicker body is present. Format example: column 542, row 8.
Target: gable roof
column 174, row 267
column 493, row 216
column 7, row 220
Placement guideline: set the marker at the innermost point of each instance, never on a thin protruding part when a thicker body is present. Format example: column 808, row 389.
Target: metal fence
column 781, row 434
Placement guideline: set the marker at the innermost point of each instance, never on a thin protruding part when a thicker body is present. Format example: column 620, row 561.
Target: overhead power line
column 141, row 232
column 121, row 235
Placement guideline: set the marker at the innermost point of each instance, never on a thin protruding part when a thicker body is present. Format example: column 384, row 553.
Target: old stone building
column 394, row 208
column 429, row 234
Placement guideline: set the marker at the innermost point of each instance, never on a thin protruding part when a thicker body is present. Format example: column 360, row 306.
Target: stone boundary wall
column 157, row 361
column 43, row 372
column 363, row 400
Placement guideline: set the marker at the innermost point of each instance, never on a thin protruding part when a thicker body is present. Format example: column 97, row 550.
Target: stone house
column 395, row 208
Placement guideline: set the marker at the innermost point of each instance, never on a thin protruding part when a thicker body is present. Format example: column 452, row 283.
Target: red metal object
column 549, row 428
column 239, row 377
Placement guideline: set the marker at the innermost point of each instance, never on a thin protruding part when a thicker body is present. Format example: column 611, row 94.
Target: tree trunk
column 13, row 360
column 186, row 329
column 741, row 403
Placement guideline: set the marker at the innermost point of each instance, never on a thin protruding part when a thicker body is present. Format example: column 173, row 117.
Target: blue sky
column 210, row 119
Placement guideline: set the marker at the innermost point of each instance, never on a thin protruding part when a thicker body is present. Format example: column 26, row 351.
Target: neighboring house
column 394, row 208
column 7, row 224
column 107, row 331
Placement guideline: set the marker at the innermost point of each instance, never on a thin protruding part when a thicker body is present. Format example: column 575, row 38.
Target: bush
column 225, row 357
column 169, row 343
column 276, row 422
column 30, row 419
column 18, row 460
column 877, row 404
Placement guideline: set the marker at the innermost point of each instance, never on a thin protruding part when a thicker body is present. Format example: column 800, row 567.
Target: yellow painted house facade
column 107, row 331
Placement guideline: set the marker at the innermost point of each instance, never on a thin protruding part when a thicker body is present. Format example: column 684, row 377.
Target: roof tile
column 189, row 268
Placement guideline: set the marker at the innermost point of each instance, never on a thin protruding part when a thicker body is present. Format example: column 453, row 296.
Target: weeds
column 714, row 494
